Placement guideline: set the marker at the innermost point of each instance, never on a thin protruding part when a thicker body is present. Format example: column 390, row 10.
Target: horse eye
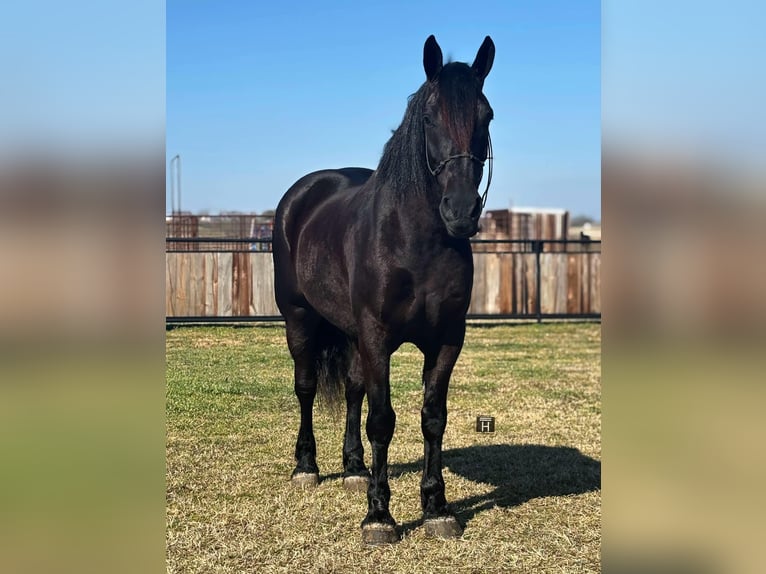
column 427, row 120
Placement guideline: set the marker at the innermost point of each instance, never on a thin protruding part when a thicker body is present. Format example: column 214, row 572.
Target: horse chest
column 447, row 300
column 424, row 296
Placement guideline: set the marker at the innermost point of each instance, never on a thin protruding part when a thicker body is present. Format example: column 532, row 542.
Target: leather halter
column 467, row 155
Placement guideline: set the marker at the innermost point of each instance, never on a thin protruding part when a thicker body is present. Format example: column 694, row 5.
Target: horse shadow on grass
column 518, row 473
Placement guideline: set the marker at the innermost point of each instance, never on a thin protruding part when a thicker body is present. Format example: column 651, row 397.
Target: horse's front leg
column 378, row 527
column 439, row 361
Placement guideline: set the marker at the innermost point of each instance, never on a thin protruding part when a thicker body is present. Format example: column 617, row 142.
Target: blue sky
column 260, row 93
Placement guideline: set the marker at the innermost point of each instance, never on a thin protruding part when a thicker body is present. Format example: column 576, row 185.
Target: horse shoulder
column 310, row 191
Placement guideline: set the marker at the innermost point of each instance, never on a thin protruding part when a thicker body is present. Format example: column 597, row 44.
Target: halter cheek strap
column 467, row 155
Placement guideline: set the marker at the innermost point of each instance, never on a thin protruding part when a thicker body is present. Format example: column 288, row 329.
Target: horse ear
column 484, row 59
column 432, row 58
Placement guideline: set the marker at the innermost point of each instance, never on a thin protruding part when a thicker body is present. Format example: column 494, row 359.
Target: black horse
column 367, row 260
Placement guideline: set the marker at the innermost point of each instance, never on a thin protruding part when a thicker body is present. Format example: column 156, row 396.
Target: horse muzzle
column 460, row 223
column 462, row 229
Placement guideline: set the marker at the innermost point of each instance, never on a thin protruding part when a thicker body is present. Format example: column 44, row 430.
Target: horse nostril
column 446, row 208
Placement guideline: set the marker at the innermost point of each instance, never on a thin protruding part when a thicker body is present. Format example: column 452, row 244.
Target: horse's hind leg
column 355, row 474
column 301, row 326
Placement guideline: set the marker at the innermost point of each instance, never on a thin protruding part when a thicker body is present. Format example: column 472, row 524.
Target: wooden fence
column 241, row 283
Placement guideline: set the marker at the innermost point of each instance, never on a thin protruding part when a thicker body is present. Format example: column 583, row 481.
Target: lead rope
column 490, row 159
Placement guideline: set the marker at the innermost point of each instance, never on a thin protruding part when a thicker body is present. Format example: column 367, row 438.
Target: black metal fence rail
column 224, row 244
column 216, row 244
column 241, row 319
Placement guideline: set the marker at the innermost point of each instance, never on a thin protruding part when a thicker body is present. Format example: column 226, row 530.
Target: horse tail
column 333, row 363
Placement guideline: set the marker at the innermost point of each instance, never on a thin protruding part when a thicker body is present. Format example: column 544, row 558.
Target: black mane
column 403, row 163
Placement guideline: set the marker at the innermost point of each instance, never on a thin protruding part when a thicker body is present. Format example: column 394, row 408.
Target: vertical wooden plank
column 235, row 279
column 518, row 292
column 505, row 303
column 257, row 281
column 595, row 270
column 274, row 310
column 237, row 285
column 225, row 284
column 530, row 284
column 178, row 287
column 546, row 221
column 196, row 284
column 478, row 291
column 216, row 283
column 170, row 284
column 248, row 276
column 492, row 283
column 476, row 282
column 574, row 285
column 548, row 285
column 587, row 286
column 269, row 301
column 553, row 288
column 242, row 284
column 211, row 269
column 562, row 261
column 520, row 283
column 182, row 284
column 263, row 302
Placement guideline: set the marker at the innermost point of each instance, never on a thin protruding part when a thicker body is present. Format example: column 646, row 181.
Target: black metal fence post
column 537, row 246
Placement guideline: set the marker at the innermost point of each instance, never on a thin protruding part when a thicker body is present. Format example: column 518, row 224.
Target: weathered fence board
column 225, row 273
column 211, row 284
column 263, row 285
column 506, row 282
column 242, row 284
column 553, row 293
column 478, row 292
column 595, row 277
column 196, row 282
column 529, row 278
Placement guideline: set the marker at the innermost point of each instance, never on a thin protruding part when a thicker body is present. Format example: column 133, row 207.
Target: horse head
column 456, row 119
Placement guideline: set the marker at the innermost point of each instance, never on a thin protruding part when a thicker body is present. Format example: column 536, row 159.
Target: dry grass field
column 529, row 494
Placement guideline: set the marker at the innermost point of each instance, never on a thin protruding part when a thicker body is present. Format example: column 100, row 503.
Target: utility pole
column 175, row 185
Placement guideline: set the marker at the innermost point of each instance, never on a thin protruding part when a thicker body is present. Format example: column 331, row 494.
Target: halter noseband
column 467, row 155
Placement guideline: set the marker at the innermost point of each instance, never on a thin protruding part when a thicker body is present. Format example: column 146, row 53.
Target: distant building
column 524, row 223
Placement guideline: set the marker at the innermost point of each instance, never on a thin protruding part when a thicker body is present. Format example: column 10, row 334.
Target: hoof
column 443, row 527
column 377, row 533
column 356, row 483
column 305, row 479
